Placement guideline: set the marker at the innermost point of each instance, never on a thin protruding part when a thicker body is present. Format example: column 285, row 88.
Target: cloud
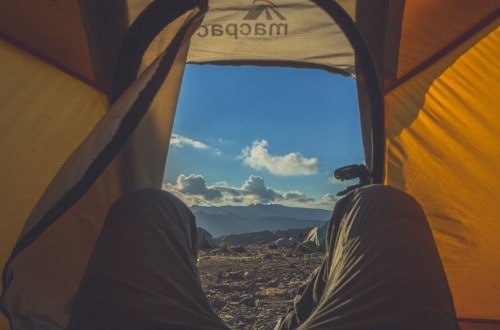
column 253, row 190
column 193, row 190
column 180, row 141
column 298, row 196
column 230, row 191
column 196, row 185
column 256, row 187
column 334, row 180
column 329, row 199
column 258, row 157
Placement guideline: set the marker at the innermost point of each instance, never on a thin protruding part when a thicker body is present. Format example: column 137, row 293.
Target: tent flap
column 45, row 115
column 443, row 149
column 34, row 267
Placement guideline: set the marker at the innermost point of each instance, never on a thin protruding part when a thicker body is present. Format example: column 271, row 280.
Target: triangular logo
column 269, row 9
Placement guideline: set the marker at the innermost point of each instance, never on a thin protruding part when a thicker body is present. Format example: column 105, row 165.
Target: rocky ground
column 251, row 286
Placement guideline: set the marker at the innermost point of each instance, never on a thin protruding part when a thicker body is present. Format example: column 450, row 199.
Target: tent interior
column 88, row 92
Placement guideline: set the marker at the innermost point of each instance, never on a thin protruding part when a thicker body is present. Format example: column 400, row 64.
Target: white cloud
column 222, row 184
column 334, row 180
column 294, row 163
column 193, row 190
column 180, row 141
column 255, row 186
column 187, row 199
column 298, row 196
column 338, row 182
column 196, row 185
column 329, row 199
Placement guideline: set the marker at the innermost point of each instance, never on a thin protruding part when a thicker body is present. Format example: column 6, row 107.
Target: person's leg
column 142, row 274
column 382, row 269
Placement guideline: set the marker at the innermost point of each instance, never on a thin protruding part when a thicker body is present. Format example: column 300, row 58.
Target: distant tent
column 283, row 242
column 317, row 236
column 205, row 240
column 88, row 91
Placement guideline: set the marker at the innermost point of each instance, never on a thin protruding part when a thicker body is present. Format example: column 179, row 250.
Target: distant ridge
column 263, row 210
column 227, row 220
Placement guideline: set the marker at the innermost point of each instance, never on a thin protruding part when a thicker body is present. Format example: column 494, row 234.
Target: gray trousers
column 381, row 271
column 142, row 274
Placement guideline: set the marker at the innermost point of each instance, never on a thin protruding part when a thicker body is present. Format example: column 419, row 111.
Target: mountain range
column 227, row 220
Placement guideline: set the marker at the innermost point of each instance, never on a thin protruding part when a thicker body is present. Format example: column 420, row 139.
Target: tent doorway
column 248, row 135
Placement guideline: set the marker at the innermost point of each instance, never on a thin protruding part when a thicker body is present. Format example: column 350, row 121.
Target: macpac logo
column 262, row 20
column 268, row 8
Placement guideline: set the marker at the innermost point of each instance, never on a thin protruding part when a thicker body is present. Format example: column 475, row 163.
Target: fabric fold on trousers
column 382, row 269
column 142, row 274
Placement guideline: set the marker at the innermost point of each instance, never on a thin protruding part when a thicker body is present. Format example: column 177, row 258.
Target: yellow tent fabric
column 443, row 135
column 80, row 124
column 58, row 256
column 59, row 124
column 430, row 26
column 37, row 25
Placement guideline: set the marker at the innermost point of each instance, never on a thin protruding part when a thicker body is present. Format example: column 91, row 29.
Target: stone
column 235, row 275
column 248, row 301
column 238, row 249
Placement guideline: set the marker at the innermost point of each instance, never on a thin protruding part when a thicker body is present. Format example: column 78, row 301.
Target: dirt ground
column 252, row 286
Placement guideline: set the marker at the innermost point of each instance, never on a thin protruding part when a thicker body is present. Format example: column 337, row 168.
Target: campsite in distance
column 247, row 136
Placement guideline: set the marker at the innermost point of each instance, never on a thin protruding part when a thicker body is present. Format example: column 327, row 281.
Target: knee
column 384, row 202
column 146, row 197
column 148, row 205
column 377, row 193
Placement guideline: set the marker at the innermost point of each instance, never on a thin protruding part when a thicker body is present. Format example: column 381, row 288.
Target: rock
column 274, row 283
column 238, row 249
column 225, row 243
column 224, row 288
column 248, row 275
column 221, row 250
column 235, row 297
column 248, row 301
column 307, row 247
column 235, row 275
column 217, row 304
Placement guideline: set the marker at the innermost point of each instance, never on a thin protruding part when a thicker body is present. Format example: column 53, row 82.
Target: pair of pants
column 142, row 274
column 381, row 271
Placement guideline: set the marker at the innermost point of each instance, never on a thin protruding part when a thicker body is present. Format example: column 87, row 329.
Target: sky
column 247, row 135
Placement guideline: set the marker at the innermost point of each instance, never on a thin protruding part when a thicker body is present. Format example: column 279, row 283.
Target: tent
column 88, row 91
column 283, row 242
column 317, row 236
column 205, row 239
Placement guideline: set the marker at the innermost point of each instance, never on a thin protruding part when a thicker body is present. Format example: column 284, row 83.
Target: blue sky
column 245, row 135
